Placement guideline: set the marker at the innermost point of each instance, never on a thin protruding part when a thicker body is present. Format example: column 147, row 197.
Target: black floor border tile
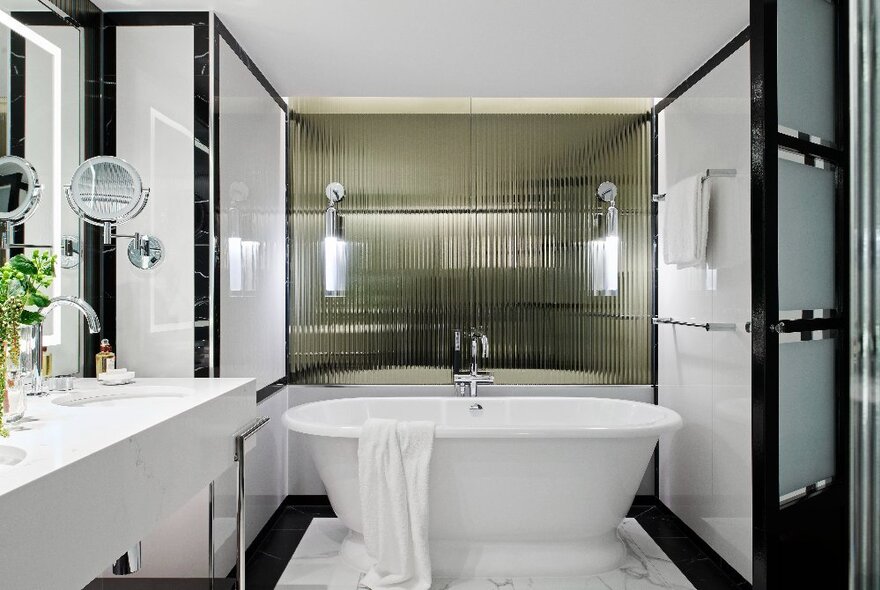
column 700, row 564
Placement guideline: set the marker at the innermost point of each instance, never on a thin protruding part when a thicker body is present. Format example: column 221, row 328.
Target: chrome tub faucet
column 466, row 383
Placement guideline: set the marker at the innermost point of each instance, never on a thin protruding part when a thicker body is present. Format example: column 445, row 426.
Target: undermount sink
column 108, row 397
column 11, row 456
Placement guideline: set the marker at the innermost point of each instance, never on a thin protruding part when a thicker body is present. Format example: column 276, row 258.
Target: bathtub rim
column 668, row 421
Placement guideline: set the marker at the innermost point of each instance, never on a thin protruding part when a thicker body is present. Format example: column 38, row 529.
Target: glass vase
column 23, row 373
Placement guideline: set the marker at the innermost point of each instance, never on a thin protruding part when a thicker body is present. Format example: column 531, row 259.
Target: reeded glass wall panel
column 459, row 220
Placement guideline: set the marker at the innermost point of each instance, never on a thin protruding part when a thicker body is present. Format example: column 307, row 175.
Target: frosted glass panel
column 805, row 62
column 806, row 237
column 458, row 220
column 806, row 413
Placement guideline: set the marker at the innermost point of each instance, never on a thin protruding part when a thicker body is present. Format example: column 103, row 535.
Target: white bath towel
column 393, row 469
column 686, row 222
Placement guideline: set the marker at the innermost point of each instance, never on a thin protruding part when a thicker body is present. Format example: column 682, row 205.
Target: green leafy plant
column 22, row 281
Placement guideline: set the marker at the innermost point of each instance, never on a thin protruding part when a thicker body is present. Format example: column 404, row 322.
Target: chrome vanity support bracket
column 211, row 534
column 241, row 543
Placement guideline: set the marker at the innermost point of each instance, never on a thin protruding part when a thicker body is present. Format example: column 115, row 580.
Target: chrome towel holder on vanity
column 241, row 438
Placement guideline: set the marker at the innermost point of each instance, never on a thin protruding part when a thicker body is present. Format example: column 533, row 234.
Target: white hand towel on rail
column 393, row 469
column 686, row 222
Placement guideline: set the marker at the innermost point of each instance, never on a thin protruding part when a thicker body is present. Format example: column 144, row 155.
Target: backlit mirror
column 41, row 142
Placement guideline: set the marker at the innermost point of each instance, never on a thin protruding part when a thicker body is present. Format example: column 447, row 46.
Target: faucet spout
column 466, row 383
column 75, row 302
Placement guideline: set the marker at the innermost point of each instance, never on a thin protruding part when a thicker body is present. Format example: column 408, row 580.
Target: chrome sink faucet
column 81, row 306
column 466, row 384
column 32, row 341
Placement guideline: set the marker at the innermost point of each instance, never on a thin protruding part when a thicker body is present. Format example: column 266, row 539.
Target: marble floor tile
column 316, row 565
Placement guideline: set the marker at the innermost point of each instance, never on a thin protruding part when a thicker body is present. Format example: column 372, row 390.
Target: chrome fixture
column 31, row 341
column 466, row 383
column 709, row 327
column 335, row 248
column 129, row 563
column 69, row 256
column 20, row 193
column 475, row 408
column 710, row 173
column 145, row 252
column 107, row 191
column 81, row 306
column 605, row 252
column 241, row 438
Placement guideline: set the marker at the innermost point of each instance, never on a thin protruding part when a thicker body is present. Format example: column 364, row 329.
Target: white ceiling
column 488, row 48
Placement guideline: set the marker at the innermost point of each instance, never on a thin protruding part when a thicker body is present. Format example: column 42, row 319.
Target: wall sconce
column 605, row 252
column 335, row 248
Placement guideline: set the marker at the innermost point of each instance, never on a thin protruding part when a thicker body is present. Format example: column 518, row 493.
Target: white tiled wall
column 705, row 468
column 253, row 245
column 154, row 132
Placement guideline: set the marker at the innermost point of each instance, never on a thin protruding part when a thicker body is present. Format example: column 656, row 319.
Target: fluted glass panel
column 457, row 220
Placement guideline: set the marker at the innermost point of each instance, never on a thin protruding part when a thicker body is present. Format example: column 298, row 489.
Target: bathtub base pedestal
column 484, row 559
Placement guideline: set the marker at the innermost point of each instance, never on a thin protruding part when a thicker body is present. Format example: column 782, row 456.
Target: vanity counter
column 102, row 466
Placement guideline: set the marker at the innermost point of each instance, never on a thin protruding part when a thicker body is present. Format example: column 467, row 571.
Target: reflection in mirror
column 40, row 114
column 19, row 193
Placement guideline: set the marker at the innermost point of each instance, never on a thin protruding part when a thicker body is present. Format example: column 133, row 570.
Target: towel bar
column 709, row 327
column 240, row 438
column 710, row 173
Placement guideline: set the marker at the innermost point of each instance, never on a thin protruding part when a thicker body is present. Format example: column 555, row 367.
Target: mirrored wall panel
column 470, row 219
column 40, row 121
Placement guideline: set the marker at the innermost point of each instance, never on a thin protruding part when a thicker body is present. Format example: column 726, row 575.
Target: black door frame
column 784, row 537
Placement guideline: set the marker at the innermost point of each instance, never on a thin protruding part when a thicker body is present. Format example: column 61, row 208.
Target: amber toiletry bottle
column 105, row 360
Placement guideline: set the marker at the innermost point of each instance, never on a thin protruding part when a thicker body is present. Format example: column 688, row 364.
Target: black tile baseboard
column 692, row 555
column 124, row 583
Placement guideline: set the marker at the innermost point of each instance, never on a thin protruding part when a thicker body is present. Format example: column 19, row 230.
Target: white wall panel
column 705, row 468
column 154, row 132
column 252, row 226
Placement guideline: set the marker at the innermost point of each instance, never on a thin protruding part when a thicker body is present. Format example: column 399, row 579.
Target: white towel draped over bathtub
column 393, row 469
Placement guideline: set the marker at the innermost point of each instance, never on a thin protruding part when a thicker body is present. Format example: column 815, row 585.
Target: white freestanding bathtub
column 525, row 486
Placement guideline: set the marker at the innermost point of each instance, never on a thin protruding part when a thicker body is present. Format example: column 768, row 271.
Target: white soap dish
column 116, row 377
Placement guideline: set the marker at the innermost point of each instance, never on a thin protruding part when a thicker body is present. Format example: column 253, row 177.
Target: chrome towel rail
column 241, row 543
column 709, row 327
column 710, row 173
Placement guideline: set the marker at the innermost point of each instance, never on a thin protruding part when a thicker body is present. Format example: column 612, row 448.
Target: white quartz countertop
column 81, row 483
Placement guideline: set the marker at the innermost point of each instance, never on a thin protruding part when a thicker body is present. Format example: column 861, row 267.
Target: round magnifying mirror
column 106, row 189
column 607, row 191
column 145, row 252
column 20, row 190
